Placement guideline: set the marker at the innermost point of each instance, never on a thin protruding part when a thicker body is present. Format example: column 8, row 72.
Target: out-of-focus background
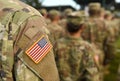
column 76, row 5
column 61, row 5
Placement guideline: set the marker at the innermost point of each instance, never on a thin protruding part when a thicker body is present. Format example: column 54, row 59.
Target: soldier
column 102, row 13
column 75, row 58
column 113, row 53
column 25, row 51
column 95, row 31
column 100, row 34
column 56, row 31
column 63, row 20
column 45, row 15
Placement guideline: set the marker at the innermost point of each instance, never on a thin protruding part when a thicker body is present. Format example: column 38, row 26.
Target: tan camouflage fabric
column 23, row 26
column 75, row 60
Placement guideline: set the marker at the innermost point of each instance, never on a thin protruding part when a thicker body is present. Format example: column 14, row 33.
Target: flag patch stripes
column 39, row 49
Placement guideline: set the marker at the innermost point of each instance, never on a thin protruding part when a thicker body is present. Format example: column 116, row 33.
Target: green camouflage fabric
column 56, row 31
column 102, row 34
column 75, row 60
column 118, row 77
column 20, row 26
column 96, row 32
column 112, row 69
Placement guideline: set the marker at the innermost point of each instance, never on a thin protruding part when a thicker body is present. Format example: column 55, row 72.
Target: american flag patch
column 39, row 49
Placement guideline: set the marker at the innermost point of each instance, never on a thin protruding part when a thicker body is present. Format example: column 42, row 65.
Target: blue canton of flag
column 39, row 49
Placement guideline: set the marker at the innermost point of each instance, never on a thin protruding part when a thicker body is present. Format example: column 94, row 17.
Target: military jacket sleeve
column 27, row 28
column 33, row 34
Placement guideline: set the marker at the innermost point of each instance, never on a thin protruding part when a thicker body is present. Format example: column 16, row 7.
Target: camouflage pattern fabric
column 23, row 26
column 110, row 43
column 75, row 60
column 96, row 32
column 118, row 77
column 56, row 31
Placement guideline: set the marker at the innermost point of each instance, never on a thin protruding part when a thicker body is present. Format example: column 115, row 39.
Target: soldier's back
column 71, row 54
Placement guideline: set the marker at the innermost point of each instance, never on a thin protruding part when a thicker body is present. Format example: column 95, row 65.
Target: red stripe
column 43, row 52
column 41, row 55
column 30, row 51
column 39, row 52
column 37, row 60
column 36, row 50
column 31, row 48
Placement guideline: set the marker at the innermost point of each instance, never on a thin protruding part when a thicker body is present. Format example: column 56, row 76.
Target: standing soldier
column 25, row 51
column 63, row 20
column 98, row 33
column 56, row 31
column 75, row 58
column 113, row 53
column 112, row 30
column 44, row 13
column 95, row 31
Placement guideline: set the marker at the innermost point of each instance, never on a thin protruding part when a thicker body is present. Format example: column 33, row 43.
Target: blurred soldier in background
column 75, row 58
column 102, row 13
column 25, row 51
column 110, row 48
column 95, row 31
column 56, row 31
column 63, row 20
column 113, row 47
column 43, row 12
column 45, row 15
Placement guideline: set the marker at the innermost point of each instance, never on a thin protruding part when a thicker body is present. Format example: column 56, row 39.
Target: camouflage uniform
column 45, row 15
column 63, row 20
column 112, row 31
column 97, row 31
column 75, row 58
column 21, row 26
column 56, row 31
column 118, row 77
column 113, row 53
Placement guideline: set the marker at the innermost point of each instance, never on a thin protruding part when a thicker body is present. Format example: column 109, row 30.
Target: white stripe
column 38, row 52
column 32, row 53
column 40, row 55
column 32, row 49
